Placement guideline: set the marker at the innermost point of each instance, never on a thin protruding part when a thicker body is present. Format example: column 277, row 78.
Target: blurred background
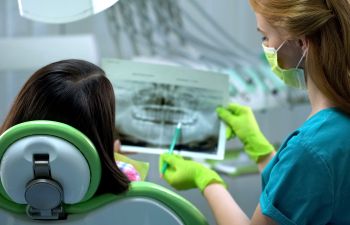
column 218, row 36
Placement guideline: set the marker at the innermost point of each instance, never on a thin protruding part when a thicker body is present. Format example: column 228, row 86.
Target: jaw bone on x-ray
column 149, row 114
column 149, row 107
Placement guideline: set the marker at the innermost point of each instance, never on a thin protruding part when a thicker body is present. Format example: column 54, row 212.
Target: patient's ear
column 116, row 146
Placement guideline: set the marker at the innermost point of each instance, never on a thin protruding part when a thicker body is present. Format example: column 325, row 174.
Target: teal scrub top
column 308, row 180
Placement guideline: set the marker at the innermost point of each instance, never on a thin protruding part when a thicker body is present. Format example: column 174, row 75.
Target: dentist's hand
column 186, row 174
column 241, row 121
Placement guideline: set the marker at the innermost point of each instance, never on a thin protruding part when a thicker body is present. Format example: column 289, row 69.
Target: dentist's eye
column 264, row 38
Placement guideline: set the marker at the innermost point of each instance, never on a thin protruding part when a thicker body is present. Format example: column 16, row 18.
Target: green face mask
column 292, row 77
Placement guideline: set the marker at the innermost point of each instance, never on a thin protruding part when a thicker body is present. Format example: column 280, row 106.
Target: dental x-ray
column 152, row 99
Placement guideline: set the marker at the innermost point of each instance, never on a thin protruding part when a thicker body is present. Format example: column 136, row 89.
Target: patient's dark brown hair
column 77, row 93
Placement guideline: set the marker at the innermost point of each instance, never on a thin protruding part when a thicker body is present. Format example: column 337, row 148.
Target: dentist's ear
column 303, row 43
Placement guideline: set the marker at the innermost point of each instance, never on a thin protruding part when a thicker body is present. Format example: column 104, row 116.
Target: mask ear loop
column 302, row 57
column 281, row 45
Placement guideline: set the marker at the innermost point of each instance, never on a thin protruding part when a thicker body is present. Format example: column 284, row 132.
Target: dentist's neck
column 317, row 99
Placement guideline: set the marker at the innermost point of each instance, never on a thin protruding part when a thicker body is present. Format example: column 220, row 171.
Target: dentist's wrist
column 208, row 177
column 257, row 147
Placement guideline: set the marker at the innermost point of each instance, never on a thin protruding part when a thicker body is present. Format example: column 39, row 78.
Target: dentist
column 307, row 181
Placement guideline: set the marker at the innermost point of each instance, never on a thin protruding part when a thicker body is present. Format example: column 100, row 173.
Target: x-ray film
column 152, row 99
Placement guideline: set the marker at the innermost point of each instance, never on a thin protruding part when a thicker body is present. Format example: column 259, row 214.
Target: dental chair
column 50, row 172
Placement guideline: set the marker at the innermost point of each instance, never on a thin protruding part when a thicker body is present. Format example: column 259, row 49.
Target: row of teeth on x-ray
column 164, row 114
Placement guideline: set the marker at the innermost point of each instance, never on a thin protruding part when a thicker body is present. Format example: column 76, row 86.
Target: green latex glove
column 241, row 121
column 186, row 174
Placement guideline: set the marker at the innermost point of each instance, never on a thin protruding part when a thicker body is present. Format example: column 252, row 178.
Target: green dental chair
column 50, row 171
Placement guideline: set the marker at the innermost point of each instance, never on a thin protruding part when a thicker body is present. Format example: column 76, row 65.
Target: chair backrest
column 50, row 171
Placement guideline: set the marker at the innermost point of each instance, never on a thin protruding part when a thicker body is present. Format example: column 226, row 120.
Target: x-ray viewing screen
column 152, row 99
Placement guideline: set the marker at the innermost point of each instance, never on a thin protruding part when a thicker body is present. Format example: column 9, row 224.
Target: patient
column 77, row 93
